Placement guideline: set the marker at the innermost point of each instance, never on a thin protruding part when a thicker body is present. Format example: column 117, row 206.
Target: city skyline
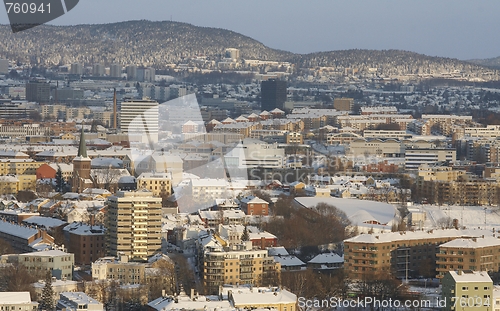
column 455, row 29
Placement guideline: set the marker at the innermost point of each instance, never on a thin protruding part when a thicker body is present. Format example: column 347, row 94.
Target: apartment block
column 254, row 267
column 398, row 253
column 119, row 269
column 477, row 254
column 59, row 263
column 134, row 224
column 86, row 242
column 160, row 184
column 414, row 157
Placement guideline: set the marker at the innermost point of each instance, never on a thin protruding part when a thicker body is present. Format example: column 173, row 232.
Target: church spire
column 82, row 148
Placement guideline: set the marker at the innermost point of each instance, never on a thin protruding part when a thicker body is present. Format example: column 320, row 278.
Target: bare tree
column 445, row 222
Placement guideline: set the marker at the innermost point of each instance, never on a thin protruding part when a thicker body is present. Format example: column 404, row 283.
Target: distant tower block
column 232, row 53
column 273, row 94
column 343, row 104
column 98, row 70
column 4, row 66
column 76, row 69
column 131, row 72
column 115, row 71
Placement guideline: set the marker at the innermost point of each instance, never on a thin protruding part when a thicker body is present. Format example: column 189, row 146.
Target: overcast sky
column 463, row 29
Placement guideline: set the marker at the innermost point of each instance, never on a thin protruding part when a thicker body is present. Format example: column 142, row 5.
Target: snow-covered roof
column 253, row 199
column 47, row 253
column 289, row 261
column 47, row 222
column 358, row 211
column 79, row 228
column 185, row 303
column 473, row 243
column 262, row 296
column 418, row 235
column 278, row 250
column 107, row 162
column 16, row 230
column 209, row 182
column 470, row 276
column 327, row 258
column 127, row 180
column 15, row 298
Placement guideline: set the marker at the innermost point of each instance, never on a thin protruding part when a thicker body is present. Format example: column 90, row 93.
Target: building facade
column 273, row 94
column 254, row 267
column 134, row 224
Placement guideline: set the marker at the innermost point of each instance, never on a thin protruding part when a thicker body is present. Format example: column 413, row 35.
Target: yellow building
column 160, row 184
column 59, row 263
column 14, row 184
column 254, row 267
column 272, row 298
column 19, row 166
column 121, row 270
column 467, row 290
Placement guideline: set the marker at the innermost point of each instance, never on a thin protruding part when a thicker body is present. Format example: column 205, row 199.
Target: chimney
column 115, row 123
column 192, row 294
column 459, row 272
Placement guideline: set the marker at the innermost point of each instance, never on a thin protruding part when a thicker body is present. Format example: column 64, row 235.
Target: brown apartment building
column 398, row 253
column 86, row 242
column 477, row 254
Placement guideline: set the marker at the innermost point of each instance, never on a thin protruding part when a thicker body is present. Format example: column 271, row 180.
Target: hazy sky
column 461, row 29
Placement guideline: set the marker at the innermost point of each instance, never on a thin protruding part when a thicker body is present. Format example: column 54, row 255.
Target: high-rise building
column 98, row 70
column 145, row 74
column 140, row 117
column 134, row 224
column 38, row 91
column 343, row 104
column 273, row 94
column 131, row 72
column 4, row 66
column 76, row 69
column 115, row 71
column 232, row 53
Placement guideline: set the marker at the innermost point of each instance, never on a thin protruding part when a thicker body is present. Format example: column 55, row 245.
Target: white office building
column 140, row 118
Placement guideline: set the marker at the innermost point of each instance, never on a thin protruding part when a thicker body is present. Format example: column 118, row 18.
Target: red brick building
column 86, row 242
column 252, row 205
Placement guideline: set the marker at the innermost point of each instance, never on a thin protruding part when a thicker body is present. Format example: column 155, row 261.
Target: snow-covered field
column 487, row 217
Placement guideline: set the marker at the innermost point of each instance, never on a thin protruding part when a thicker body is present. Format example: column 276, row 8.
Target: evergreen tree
column 245, row 236
column 59, row 180
column 47, row 294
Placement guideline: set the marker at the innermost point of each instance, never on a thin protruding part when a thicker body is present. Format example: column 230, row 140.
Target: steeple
column 82, row 148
